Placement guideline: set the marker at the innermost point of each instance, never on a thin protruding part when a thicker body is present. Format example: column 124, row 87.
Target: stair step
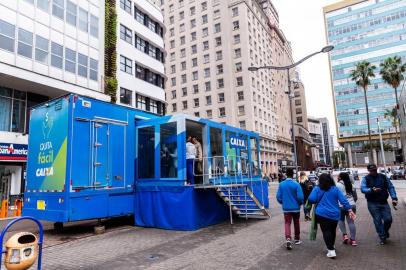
column 254, row 216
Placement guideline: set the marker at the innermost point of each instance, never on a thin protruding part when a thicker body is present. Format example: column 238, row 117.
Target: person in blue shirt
column 377, row 187
column 327, row 197
column 290, row 196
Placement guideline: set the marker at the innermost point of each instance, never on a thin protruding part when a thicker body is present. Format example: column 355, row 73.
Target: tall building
column 141, row 55
column 51, row 48
column 327, row 140
column 210, row 45
column 360, row 30
column 316, row 133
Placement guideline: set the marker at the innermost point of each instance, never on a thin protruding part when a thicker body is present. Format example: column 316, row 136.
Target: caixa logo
column 236, row 142
column 13, row 149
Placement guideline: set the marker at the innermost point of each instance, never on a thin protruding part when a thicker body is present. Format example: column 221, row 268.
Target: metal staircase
column 242, row 201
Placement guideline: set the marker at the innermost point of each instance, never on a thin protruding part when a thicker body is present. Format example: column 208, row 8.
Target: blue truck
column 81, row 160
column 90, row 159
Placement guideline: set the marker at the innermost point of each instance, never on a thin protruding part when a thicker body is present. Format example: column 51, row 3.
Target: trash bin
column 21, row 251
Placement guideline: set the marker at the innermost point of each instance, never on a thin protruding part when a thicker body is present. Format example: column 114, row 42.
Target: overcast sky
column 303, row 24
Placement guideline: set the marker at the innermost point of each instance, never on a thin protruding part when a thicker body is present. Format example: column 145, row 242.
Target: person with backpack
column 327, row 197
column 307, row 187
column 377, row 188
column 290, row 196
column 345, row 186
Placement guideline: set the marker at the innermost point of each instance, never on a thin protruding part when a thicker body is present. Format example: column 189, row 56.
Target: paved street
column 245, row 245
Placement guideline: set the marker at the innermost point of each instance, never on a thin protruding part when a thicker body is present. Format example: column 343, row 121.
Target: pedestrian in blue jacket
column 290, row 196
column 327, row 197
column 377, row 187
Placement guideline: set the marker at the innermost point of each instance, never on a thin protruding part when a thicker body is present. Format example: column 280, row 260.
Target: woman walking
column 307, row 187
column 345, row 186
column 327, row 197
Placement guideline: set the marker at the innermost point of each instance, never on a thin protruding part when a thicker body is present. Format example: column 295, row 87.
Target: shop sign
column 237, row 142
column 13, row 151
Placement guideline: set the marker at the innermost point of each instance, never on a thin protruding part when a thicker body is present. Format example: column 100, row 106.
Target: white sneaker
column 331, row 254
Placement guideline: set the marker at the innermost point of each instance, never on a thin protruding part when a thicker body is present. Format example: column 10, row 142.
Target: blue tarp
column 178, row 208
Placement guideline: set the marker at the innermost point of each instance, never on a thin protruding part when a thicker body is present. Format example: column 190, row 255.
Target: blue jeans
column 189, row 171
column 382, row 217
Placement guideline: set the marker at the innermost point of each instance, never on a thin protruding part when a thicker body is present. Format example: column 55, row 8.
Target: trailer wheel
column 58, row 226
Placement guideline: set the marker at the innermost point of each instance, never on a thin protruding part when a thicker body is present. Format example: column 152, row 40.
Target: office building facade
column 361, row 30
column 210, row 45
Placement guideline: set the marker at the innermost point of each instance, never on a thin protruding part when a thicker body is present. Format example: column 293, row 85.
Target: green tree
column 362, row 75
column 392, row 70
column 392, row 115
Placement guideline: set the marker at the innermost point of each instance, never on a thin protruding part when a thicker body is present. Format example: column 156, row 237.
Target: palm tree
column 392, row 70
column 362, row 75
column 392, row 115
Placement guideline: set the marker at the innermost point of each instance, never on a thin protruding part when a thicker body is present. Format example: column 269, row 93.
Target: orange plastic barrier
column 4, row 209
column 18, row 204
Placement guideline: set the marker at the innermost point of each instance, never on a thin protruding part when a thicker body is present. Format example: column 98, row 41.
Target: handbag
column 313, row 223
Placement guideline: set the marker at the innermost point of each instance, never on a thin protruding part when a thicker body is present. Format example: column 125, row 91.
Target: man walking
column 377, row 187
column 290, row 196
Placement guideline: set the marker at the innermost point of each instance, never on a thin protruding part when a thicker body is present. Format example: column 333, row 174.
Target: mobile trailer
column 81, row 160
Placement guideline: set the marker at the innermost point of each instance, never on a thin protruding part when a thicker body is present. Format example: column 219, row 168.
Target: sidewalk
column 244, row 245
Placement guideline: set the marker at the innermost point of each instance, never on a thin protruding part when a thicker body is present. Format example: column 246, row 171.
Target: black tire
column 58, row 227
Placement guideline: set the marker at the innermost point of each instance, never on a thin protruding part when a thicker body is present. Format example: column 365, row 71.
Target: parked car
column 398, row 174
column 321, row 170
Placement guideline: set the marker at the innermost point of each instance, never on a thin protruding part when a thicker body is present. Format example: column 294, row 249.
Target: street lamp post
column 325, row 49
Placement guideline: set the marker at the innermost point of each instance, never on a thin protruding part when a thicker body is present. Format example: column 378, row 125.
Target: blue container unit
column 81, row 160
column 163, row 199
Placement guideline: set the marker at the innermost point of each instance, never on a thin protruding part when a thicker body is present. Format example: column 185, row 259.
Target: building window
column 207, row 72
column 94, row 26
column 205, row 32
column 218, row 41
column 242, row 124
column 140, row 44
column 183, row 53
column 126, row 64
column 153, row 106
column 206, row 58
column 182, row 27
column 240, row 95
column 126, row 96
column 83, row 20
column 184, row 92
column 216, row 14
column 183, row 65
column 181, row 15
column 299, row 119
column 298, row 102
column 194, row 49
column 41, row 49
column 219, row 55
column 174, row 109
column 239, row 81
column 205, row 45
column 184, row 104
column 234, row 11
column 71, row 13
column 237, row 39
column 193, row 36
column 56, row 55
column 207, row 86
column 241, row 110
column 173, row 69
column 208, row 100
column 236, row 25
column 93, row 69
column 220, row 83
column 126, row 34
column 197, row 114
column 204, row 19
column 195, row 76
column 221, row 98
column 171, row 32
column 238, row 67
column 173, row 81
column 126, row 5
column 183, row 78
column 194, row 62
column 192, row 23
column 139, row 16
column 173, row 92
column 219, row 69
column 237, row 53
column 58, row 8
column 141, row 103
column 192, row 11
column 182, row 40
column 217, row 28
column 298, row 110
column 70, row 60
column 222, row 112
column 173, row 57
column 7, row 36
column 195, row 88
column 209, row 114
column 43, row 5
column 204, row 6
column 82, row 65
column 25, row 41
column 196, row 102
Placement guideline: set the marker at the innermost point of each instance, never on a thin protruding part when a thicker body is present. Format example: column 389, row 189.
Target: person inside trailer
column 198, row 168
column 190, row 158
